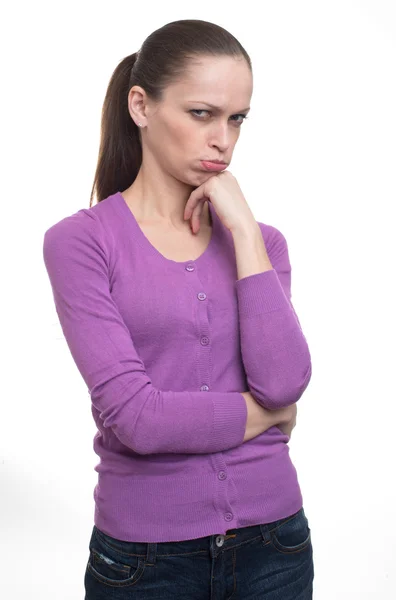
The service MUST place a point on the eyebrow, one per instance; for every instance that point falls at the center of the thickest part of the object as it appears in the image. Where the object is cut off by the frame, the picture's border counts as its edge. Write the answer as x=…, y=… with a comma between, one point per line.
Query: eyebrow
x=215, y=107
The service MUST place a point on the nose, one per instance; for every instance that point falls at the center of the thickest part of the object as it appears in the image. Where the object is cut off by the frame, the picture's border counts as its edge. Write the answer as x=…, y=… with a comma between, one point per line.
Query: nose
x=220, y=137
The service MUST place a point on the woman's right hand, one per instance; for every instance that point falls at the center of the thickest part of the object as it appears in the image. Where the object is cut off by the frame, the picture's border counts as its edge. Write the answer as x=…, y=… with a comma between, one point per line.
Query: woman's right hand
x=288, y=426
x=259, y=419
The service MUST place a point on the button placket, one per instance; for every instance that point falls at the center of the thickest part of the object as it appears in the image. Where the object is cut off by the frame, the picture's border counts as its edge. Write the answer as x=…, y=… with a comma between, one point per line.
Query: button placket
x=222, y=475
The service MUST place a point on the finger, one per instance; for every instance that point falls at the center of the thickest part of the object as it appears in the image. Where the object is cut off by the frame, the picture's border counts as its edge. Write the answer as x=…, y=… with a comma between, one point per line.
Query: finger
x=195, y=197
x=196, y=217
x=191, y=203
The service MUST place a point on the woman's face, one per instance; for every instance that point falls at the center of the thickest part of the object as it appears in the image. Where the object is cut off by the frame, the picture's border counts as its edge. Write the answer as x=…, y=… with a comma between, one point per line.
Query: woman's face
x=183, y=129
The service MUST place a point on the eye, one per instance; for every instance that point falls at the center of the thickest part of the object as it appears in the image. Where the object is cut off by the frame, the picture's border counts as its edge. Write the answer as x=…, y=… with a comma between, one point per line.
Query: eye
x=195, y=110
x=198, y=110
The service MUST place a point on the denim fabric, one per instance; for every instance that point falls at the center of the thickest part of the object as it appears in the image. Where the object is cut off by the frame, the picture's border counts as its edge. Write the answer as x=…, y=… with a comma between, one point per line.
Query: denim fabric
x=272, y=561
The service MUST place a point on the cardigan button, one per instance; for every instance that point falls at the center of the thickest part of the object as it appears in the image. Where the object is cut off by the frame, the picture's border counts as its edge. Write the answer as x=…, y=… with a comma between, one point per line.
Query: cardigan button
x=228, y=516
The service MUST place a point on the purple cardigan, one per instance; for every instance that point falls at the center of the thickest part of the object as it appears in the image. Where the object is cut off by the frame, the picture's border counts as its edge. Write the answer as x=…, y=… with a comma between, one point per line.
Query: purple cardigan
x=166, y=348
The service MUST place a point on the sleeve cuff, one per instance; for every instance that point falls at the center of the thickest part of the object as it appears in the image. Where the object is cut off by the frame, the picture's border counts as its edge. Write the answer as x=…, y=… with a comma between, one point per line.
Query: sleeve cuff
x=230, y=417
x=260, y=293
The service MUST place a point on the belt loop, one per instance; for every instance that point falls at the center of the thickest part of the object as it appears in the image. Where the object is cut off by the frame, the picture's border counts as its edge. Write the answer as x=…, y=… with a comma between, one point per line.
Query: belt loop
x=213, y=552
x=265, y=533
x=151, y=553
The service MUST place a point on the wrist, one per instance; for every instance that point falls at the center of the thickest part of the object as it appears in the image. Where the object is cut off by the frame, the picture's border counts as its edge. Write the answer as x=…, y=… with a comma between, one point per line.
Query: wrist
x=246, y=229
x=250, y=251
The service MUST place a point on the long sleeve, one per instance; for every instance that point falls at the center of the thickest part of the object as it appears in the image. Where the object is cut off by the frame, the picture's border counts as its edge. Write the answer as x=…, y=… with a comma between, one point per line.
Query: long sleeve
x=146, y=419
x=274, y=350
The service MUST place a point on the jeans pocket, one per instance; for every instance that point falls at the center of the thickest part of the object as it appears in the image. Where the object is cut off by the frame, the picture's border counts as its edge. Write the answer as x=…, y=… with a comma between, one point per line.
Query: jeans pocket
x=109, y=564
x=292, y=534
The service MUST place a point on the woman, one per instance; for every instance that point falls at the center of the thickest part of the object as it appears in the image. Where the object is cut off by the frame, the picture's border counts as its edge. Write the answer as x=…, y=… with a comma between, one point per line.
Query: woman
x=176, y=306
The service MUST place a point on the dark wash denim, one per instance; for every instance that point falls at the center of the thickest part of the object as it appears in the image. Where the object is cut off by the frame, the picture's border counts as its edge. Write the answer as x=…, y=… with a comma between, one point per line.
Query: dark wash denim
x=272, y=561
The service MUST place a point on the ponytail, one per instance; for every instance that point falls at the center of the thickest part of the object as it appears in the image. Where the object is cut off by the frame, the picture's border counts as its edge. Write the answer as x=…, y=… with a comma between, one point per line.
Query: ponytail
x=120, y=151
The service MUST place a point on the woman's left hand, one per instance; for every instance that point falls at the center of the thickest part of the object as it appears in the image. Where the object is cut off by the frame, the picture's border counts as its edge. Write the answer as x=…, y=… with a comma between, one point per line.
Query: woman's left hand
x=226, y=196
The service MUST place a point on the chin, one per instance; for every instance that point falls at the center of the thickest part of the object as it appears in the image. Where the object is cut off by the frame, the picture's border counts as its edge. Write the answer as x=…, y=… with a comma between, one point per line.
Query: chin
x=192, y=177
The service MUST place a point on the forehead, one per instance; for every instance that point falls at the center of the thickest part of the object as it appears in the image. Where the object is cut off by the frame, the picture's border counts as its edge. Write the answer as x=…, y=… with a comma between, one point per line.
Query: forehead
x=218, y=80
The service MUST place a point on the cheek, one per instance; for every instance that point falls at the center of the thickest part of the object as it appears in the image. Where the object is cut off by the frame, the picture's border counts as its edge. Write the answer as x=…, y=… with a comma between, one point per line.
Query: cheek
x=182, y=145
x=182, y=135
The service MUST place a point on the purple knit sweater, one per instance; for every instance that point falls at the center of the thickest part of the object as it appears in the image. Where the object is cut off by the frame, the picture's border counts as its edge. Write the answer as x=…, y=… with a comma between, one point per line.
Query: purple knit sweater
x=166, y=348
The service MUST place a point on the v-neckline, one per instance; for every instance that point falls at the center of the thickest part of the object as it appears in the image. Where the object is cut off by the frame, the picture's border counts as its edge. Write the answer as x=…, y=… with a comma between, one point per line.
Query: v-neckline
x=146, y=244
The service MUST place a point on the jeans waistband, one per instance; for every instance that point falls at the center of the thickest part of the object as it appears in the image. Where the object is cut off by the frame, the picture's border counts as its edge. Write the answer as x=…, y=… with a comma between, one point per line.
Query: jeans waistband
x=213, y=544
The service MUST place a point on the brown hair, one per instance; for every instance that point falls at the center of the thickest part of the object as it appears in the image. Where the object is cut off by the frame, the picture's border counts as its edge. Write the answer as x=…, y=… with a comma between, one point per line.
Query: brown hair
x=161, y=60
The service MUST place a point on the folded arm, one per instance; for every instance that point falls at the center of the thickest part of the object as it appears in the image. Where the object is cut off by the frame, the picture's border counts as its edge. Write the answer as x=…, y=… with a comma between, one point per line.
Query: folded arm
x=143, y=417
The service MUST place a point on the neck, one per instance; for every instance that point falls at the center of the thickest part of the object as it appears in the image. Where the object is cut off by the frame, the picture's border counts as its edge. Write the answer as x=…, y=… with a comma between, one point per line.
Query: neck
x=160, y=198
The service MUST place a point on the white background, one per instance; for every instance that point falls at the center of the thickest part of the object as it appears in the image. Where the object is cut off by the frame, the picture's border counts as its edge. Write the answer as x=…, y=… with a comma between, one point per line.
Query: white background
x=316, y=159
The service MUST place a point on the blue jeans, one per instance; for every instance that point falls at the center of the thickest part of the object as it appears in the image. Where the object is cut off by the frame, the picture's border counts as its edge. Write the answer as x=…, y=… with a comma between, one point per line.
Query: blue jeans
x=272, y=561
